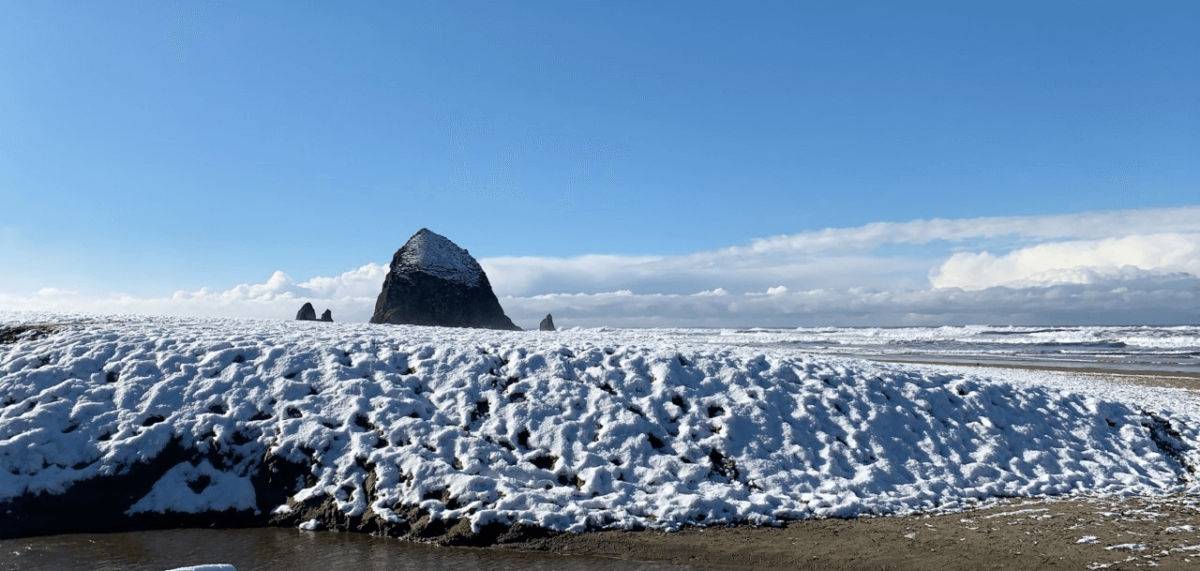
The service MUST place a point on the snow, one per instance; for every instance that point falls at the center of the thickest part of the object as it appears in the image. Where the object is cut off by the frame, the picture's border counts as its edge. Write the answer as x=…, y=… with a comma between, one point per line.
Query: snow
x=437, y=256
x=1127, y=547
x=210, y=567
x=572, y=430
x=222, y=491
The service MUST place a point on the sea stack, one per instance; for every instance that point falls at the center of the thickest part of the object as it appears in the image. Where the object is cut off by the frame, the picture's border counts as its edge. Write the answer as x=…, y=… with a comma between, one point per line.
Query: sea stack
x=306, y=313
x=434, y=282
x=547, y=324
x=327, y=316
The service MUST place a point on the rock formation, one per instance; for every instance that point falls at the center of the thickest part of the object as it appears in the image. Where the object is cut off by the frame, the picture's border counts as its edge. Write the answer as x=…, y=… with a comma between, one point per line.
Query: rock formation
x=547, y=324
x=434, y=282
x=327, y=316
x=306, y=313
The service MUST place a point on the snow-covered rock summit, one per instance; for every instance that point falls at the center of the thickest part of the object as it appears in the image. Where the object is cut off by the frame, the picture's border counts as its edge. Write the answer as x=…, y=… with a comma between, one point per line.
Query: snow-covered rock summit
x=434, y=282
x=434, y=254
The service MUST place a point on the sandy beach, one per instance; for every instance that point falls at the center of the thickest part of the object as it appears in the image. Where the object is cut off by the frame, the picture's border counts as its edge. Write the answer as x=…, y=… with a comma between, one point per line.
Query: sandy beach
x=1072, y=533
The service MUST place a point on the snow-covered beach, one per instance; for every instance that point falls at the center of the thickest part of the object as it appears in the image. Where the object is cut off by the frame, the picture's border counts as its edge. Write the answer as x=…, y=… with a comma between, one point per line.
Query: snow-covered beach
x=465, y=435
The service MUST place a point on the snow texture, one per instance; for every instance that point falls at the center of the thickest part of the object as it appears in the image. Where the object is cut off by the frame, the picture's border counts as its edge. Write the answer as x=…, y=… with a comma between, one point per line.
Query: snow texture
x=437, y=256
x=213, y=490
x=570, y=431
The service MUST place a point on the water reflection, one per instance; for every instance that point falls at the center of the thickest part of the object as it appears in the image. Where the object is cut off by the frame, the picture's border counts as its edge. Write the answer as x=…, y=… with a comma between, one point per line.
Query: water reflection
x=274, y=549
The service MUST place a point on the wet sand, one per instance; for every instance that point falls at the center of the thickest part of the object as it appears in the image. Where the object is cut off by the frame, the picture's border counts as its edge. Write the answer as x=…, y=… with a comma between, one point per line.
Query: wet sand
x=1077, y=533
x=1020, y=533
x=1170, y=379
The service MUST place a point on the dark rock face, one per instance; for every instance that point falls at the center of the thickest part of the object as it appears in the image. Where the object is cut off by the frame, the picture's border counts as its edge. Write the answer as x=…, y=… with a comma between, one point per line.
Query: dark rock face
x=547, y=324
x=327, y=316
x=107, y=500
x=9, y=335
x=306, y=313
x=434, y=282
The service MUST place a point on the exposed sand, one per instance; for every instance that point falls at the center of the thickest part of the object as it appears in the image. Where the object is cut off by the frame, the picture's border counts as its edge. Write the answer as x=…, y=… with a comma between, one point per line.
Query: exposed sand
x=1023, y=533
x=1026, y=534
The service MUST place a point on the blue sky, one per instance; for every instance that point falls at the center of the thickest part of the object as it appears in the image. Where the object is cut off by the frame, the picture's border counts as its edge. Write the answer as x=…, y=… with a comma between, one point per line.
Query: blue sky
x=149, y=148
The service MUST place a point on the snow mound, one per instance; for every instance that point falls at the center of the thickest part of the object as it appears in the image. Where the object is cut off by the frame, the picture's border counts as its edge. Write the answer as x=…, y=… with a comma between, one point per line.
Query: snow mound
x=437, y=256
x=579, y=430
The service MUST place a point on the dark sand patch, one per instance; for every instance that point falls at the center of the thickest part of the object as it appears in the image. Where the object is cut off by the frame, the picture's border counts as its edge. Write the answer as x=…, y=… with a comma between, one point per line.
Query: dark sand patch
x=12, y=334
x=1015, y=534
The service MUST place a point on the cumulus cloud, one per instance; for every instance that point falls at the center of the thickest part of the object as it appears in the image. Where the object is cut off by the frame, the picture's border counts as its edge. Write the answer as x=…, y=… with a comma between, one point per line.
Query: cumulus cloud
x=350, y=296
x=1170, y=299
x=848, y=257
x=1052, y=227
x=702, y=271
x=1138, y=266
x=1076, y=261
x=362, y=282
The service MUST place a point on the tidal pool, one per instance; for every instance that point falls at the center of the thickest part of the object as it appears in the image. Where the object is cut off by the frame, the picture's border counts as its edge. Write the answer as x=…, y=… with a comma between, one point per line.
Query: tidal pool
x=277, y=549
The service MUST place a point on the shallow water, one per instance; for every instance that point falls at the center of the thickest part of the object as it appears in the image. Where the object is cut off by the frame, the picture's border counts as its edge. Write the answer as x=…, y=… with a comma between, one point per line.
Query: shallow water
x=275, y=549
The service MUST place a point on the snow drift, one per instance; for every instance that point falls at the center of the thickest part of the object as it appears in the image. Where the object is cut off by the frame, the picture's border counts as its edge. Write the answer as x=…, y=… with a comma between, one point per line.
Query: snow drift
x=292, y=422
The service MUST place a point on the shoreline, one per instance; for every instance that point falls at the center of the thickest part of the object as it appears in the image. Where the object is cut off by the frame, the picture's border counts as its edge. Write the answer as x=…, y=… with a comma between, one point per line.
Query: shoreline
x=1160, y=379
x=1073, y=532
x=1062, y=532
x=1098, y=369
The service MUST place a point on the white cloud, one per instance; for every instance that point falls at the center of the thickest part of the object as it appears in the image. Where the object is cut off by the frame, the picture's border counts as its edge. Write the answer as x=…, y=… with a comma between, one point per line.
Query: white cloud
x=350, y=296
x=1061, y=226
x=362, y=282
x=828, y=258
x=702, y=271
x=1077, y=261
x=1170, y=299
x=1144, y=300
x=1135, y=266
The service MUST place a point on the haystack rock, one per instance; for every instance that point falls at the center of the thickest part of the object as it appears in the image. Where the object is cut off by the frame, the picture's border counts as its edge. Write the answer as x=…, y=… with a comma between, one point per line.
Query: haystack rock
x=547, y=324
x=434, y=282
x=327, y=316
x=306, y=313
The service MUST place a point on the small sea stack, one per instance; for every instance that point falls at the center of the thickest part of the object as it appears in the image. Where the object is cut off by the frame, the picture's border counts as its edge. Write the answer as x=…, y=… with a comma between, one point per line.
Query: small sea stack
x=306, y=313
